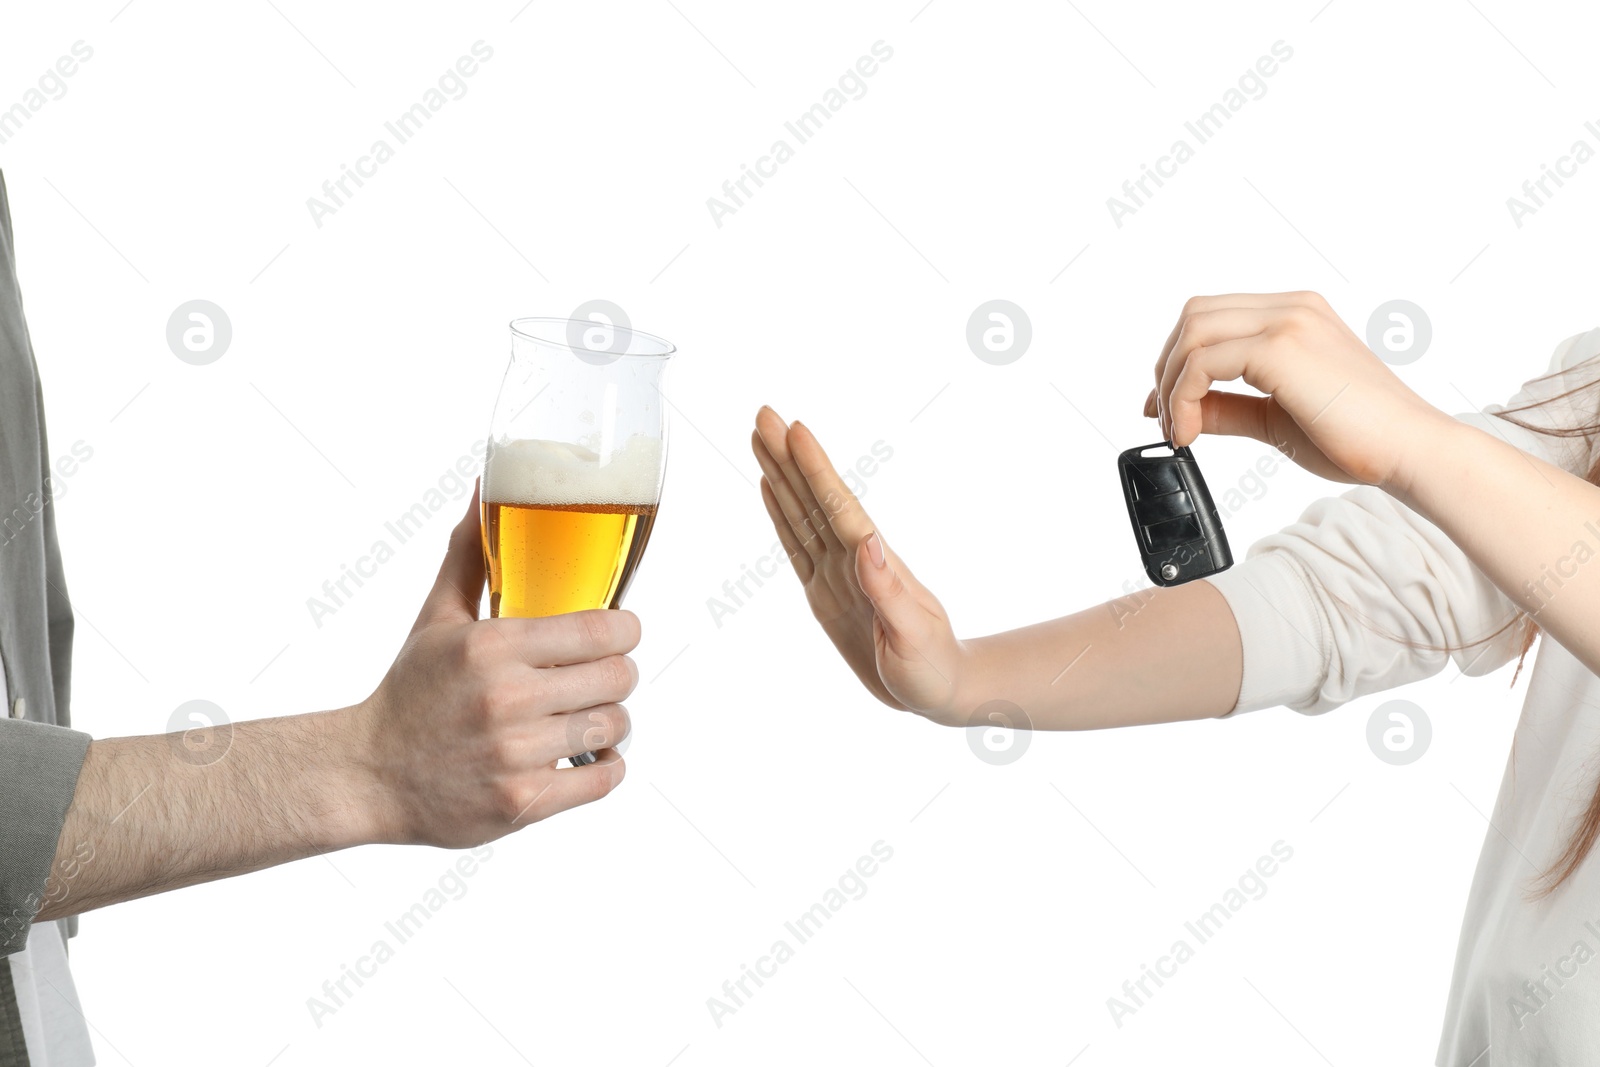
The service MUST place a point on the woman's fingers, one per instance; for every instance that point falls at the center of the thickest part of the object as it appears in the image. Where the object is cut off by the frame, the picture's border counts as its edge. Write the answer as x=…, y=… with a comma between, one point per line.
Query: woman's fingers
x=907, y=634
x=799, y=558
x=1196, y=374
x=789, y=505
x=1202, y=331
x=884, y=585
x=1227, y=414
x=1199, y=304
x=1303, y=358
x=841, y=511
x=1260, y=348
x=1196, y=304
x=848, y=519
x=1263, y=418
x=771, y=432
x=767, y=421
x=818, y=508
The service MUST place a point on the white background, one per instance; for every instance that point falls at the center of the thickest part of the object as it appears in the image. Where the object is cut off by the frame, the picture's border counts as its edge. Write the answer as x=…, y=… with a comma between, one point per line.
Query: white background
x=364, y=362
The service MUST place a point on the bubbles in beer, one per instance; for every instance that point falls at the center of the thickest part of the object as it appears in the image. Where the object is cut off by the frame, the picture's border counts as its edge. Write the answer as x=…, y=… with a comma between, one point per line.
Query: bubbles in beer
x=554, y=472
x=564, y=531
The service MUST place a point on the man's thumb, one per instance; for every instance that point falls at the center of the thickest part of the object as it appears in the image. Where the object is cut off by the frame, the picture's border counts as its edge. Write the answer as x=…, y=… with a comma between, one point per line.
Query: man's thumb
x=457, y=592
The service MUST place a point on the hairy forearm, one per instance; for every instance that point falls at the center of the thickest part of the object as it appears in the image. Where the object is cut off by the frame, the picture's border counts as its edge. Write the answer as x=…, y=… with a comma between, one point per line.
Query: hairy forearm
x=1157, y=655
x=1532, y=528
x=156, y=813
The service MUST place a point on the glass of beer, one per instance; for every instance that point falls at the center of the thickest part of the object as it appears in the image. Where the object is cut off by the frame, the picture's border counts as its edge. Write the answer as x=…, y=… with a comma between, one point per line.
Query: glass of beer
x=573, y=472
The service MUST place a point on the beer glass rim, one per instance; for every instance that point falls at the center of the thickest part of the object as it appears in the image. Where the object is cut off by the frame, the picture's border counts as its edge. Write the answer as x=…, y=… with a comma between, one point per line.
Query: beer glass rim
x=556, y=332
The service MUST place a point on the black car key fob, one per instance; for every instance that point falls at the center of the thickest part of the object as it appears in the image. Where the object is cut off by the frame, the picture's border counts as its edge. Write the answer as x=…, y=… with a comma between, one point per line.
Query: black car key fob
x=1176, y=524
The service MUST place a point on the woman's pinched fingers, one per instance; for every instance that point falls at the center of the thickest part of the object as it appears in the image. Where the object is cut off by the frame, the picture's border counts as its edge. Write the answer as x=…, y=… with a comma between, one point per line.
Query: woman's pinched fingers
x=1213, y=327
x=1220, y=362
x=1258, y=346
x=1196, y=305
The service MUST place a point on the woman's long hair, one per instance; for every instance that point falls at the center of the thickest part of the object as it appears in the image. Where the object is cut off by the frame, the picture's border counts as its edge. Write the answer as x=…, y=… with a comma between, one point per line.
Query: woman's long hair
x=1582, y=838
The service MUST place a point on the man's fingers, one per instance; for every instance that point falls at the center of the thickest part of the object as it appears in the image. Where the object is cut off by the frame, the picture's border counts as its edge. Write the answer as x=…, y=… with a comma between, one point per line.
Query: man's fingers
x=576, y=686
x=557, y=640
x=457, y=593
x=589, y=730
x=799, y=558
x=569, y=787
x=840, y=507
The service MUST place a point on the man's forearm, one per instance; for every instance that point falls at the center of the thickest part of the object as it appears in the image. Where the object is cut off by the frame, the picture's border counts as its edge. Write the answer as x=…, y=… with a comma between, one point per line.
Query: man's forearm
x=458, y=745
x=156, y=813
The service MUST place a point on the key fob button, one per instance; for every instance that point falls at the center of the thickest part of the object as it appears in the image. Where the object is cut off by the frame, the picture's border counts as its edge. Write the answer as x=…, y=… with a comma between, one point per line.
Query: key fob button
x=1175, y=524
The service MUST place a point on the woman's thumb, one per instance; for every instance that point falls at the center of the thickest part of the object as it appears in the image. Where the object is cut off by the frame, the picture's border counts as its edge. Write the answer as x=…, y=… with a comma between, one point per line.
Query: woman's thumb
x=904, y=619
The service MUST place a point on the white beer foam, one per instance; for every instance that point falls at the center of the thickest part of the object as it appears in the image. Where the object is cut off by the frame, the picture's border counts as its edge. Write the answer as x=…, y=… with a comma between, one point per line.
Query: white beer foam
x=555, y=472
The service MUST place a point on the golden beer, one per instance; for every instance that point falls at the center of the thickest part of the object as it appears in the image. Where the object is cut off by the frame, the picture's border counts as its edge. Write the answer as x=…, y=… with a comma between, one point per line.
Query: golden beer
x=562, y=530
x=549, y=559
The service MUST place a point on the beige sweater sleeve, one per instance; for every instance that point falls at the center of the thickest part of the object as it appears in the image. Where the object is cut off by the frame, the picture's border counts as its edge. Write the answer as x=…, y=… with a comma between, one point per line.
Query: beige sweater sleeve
x=1362, y=594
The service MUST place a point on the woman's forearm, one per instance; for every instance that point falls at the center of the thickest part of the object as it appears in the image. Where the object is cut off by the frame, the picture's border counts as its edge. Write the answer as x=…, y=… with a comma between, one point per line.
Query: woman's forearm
x=1532, y=528
x=1156, y=655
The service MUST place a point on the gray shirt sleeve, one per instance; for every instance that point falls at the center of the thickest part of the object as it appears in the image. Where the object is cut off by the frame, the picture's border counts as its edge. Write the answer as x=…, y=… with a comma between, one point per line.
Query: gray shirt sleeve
x=39, y=767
